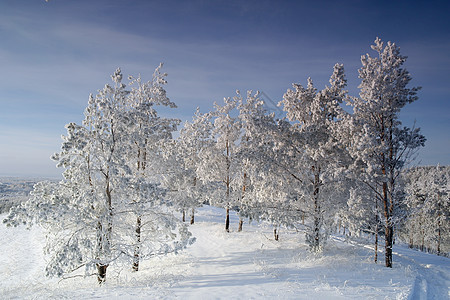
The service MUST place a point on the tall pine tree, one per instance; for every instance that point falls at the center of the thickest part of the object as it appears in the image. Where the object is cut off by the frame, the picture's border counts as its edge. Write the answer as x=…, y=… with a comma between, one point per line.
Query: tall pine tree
x=380, y=146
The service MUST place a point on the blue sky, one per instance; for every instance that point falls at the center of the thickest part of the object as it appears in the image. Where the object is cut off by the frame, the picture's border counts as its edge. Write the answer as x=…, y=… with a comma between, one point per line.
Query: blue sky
x=54, y=54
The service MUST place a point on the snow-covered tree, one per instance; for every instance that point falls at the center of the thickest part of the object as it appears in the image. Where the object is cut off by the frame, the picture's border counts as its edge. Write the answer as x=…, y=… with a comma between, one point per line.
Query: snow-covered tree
x=91, y=214
x=148, y=134
x=427, y=224
x=310, y=151
x=187, y=191
x=265, y=187
x=379, y=145
x=220, y=163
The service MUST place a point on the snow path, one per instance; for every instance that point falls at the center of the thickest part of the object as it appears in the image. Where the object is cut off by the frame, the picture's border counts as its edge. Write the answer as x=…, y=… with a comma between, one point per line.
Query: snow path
x=235, y=265
x=227, y=265
x=220, y=267
x=431, y=272
x=432, y=279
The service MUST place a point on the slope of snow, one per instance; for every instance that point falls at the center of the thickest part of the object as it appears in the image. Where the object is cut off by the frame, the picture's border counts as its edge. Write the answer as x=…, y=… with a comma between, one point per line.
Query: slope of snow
x=236, y=265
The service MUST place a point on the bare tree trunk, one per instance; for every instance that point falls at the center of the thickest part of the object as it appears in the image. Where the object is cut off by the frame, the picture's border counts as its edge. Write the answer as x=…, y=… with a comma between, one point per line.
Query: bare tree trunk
x=137, y=248
x=317, y=217
x=244, y=188
x=316, y=230
x=104, y=238
x=193, y=216
x=376, y=244
x=390, y=197
x=142, y=161
x=227, y=182
x=376, y=230
x=275, y=234
x=194, y=184
x=387, y=204
x=389, y=240
x=101, y=273
x=101, y=268
x=439, y=229
x=138, y=244
x=439, y=240
x=103, y=241
x=388, y=230
x=227, y=221
x=422, y=246
x=184, y=216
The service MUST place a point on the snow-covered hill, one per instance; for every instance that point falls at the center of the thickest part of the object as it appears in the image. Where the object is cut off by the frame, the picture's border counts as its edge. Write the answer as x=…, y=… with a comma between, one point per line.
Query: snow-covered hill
x=236, y=265
x=14, y=190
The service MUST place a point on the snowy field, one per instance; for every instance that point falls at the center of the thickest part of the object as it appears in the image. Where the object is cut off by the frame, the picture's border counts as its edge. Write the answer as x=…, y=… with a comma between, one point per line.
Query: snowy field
x=235, y=265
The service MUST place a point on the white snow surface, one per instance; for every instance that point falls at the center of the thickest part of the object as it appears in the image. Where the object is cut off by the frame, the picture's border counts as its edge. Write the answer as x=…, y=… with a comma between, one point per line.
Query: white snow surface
x=235, y=265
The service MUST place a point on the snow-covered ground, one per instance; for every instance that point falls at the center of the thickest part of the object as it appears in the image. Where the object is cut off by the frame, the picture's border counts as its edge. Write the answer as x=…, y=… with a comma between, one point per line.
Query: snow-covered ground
x=235, y=265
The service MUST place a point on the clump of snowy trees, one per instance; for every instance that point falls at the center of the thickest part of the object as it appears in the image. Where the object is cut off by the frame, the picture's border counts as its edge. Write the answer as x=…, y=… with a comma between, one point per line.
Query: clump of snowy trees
x=321, y=164
x=110, y=205
x=318, y=168
x=427, y=225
